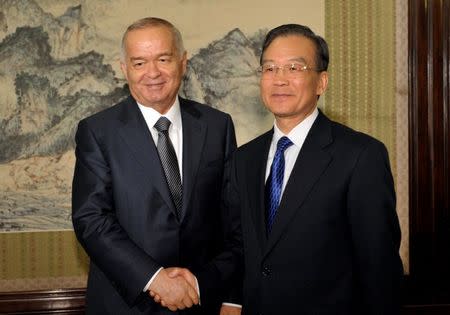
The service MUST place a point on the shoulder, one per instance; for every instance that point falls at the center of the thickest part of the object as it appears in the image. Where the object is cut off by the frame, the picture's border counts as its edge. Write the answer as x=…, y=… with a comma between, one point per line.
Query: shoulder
x=350, y=139
x=108, y=116
x=256, y=146
x=350, y=146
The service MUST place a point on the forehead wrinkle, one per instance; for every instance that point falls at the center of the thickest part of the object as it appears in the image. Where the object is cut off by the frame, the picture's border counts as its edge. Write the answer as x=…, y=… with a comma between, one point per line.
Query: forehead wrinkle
x=148, y=50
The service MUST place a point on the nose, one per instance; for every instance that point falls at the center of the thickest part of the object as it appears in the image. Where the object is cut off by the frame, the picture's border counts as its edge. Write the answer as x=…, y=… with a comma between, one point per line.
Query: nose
x=279, y=77
x=152, y=70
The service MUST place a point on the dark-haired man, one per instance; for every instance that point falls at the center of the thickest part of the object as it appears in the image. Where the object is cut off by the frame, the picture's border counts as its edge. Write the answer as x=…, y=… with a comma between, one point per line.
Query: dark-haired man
x=320, y=230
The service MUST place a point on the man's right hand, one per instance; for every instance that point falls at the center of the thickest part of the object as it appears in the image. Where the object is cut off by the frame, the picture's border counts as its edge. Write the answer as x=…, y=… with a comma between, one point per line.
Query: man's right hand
x=174, y=293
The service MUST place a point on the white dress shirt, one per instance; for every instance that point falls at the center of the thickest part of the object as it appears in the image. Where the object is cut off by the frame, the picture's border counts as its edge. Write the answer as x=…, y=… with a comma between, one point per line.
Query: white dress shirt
x=151, y=116
x=297, y=135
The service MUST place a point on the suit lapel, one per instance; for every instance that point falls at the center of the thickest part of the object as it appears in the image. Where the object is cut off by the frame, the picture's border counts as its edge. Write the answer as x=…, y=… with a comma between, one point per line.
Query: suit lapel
x=256, y=170
x=134, y=132
x=311, y=162
x=194, y=135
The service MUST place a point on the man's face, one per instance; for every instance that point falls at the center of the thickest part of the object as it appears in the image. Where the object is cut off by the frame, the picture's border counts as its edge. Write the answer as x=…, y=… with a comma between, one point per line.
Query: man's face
x=153, y=67
x=291, y=95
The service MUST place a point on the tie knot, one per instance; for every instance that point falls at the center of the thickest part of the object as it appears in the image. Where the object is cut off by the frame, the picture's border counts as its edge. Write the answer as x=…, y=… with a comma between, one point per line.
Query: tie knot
x=162, y=124
x=283, y=144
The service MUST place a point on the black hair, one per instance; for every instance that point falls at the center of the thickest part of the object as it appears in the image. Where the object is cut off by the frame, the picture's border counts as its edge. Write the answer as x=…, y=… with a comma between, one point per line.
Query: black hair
x=322, y=55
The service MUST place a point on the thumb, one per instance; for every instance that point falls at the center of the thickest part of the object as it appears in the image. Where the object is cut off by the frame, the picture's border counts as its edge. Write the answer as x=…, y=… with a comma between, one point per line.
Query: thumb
x=175, y=272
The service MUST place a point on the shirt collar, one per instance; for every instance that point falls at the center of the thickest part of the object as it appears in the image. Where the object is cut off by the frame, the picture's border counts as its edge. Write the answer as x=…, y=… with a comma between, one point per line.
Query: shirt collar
x=173, y=114
x=298, y=134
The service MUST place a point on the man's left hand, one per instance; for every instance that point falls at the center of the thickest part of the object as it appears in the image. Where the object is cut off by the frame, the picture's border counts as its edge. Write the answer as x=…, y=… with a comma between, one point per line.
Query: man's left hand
x=230, y=310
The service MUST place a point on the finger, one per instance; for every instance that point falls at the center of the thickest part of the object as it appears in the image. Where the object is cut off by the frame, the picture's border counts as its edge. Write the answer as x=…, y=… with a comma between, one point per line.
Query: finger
x=157, y=298
x=180, y=305
x=152, y=294
x=187, y=301
x=189, y=277
x=192, y=282
x=173, y=308
x=192, y=293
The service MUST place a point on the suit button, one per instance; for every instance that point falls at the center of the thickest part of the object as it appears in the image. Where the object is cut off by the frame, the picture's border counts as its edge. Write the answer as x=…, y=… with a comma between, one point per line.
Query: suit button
x=266, y=271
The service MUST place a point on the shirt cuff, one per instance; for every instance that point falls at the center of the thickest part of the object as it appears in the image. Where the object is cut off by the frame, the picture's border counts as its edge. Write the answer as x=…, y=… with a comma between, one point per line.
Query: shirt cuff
x=153, y=278
x=198, y=290
x=232, y=304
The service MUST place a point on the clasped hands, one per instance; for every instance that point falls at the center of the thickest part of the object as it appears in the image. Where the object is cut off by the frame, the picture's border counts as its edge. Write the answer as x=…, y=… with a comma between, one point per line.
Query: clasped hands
x=174, y=288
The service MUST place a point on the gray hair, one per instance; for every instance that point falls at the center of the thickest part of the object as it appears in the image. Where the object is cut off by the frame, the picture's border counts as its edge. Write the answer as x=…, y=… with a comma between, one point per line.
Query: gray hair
x=153, y=22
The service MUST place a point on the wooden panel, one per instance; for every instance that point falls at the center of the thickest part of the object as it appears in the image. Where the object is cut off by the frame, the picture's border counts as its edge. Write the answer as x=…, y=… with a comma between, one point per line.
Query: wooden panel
x=72, y=302
x=429, y=29
x=43, y=302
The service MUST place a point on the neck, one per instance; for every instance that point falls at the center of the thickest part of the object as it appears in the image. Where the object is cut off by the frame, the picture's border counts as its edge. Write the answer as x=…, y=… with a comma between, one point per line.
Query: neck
x=286, y=124
x=161, y=108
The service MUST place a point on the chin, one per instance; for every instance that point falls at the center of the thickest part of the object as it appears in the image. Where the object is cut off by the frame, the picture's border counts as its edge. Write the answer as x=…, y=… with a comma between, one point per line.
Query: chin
x=281, y=109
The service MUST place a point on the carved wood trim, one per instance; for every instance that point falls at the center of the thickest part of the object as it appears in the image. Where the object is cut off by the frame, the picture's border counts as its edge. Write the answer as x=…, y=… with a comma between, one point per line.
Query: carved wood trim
x=64, y=301
x=429, y=40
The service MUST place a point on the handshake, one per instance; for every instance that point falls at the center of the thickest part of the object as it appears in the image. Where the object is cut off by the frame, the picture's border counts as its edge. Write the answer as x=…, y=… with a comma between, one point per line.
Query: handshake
x=175, y=288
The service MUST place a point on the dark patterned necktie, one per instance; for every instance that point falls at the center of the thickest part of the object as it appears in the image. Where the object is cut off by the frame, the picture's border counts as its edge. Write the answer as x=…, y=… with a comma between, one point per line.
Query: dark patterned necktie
x=169, y=163
x=274, y=182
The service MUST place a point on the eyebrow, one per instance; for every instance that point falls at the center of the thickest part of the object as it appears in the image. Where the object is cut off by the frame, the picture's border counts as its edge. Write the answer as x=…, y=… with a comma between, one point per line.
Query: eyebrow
x=136, y=58
x=169, y=54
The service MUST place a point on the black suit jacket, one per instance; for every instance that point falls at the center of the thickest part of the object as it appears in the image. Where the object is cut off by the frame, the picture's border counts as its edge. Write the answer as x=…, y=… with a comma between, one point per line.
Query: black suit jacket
x=334, y=244
x=125, y=219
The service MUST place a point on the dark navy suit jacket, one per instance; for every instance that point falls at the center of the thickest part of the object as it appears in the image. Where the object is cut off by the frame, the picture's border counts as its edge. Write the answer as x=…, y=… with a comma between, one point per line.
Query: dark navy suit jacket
x=125, y=219
x=333, y=248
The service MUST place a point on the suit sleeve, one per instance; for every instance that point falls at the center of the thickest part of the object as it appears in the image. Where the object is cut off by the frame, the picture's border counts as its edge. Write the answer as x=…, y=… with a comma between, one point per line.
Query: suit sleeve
x=93, y=214
x=375, y=231
x=232, y=203
x=218, y=276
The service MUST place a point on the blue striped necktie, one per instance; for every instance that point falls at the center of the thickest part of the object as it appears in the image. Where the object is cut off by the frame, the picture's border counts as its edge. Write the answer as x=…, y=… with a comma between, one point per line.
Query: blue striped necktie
x=274, y=182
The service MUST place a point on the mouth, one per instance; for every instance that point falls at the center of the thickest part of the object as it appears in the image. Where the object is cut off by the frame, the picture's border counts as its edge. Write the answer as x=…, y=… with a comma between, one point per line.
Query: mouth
x=280, y=96
x=154, y=85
